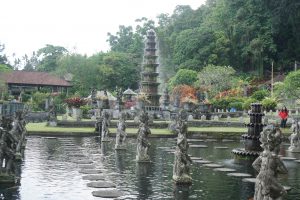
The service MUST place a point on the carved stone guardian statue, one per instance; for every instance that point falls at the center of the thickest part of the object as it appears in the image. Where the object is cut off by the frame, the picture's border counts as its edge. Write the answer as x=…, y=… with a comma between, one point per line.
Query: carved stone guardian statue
x=105, y=125
x=295, y=137
x=142, y=139
x=268, y=165
x=121, y=132
x=181, y=169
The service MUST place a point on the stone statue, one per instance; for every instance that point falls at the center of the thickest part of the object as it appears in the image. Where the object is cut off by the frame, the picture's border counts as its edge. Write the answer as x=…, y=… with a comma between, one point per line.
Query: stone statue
x=295, y=137
x=181, y=169
x=52, y=121
x=105, y=125
x=142, y=139
x=98, y=125
x=105, y=101
x=18, y=131
x=119, y=98
x=121, y=132
x=268, y=165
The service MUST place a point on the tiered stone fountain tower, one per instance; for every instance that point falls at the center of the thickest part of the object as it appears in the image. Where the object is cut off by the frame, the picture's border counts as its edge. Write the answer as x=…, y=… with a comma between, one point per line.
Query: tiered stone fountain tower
x=251, y=139
x=149, y=82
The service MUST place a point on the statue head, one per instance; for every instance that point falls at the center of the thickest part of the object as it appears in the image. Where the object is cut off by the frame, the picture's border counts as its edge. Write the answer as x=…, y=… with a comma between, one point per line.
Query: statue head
x=271, y=137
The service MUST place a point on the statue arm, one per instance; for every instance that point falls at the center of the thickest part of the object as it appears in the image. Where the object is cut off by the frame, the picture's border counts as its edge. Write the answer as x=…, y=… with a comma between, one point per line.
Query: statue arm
x=257, y=164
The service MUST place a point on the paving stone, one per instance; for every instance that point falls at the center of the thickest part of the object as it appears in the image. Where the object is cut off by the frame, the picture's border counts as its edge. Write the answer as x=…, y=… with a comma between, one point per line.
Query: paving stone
x=93, y=177
x=50, y=137
x=211, y=140
x=76, y=155
x=224, y=169
x=196, y=158
x=227, y=140
x=298, y=161
x=90, y=171
x=108, y=193
x=198, y=146
x=221, y=147
x=212, y=165
x=195, y=140
x=239, y=174
x=101, y=184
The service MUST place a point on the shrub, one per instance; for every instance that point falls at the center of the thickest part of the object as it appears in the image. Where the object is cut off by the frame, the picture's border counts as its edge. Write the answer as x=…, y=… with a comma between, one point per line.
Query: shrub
x=247, y=103
x=269, y=104
x=228, y=102
x=85, y=109
x=237, y=105
x=260, y=94
x=75, y=102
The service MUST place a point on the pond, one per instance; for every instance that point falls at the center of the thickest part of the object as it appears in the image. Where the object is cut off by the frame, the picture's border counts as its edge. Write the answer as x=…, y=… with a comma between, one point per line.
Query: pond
x=49, y=171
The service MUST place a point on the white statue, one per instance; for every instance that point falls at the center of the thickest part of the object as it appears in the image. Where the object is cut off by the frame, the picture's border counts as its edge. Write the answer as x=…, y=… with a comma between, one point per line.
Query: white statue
x=295, y=137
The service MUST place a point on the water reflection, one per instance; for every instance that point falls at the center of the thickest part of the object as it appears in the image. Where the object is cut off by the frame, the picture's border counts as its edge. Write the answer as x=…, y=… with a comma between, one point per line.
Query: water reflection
x=143, y=174
x=181, y=191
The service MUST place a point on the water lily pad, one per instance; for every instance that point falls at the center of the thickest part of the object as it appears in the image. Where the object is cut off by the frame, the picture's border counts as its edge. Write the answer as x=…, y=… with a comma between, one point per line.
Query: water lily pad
x=101, y=184
x=108, y=193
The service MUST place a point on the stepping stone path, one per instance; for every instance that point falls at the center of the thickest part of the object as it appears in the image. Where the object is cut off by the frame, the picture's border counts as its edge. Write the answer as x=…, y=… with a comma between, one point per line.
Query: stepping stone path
x=224, y=170
x=202, y=161
x=90, y=171
x=287, y=158
x=107, y=193
x=298, y=161
x=101, y=184
x=76, y=155
x=221, y=147
x=198, y=146
x=93, y=177
x=213, y=165
x=239, y=174
x=50, y=137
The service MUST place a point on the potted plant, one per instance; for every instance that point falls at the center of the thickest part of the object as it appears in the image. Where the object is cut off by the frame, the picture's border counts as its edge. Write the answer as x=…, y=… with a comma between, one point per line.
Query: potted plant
x=75, y=103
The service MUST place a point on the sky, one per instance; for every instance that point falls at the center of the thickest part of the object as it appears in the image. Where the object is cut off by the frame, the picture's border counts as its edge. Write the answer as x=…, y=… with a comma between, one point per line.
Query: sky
x=79, y=25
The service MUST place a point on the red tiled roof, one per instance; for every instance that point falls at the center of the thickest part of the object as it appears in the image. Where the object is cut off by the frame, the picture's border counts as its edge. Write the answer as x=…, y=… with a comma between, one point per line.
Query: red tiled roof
x=33, y=78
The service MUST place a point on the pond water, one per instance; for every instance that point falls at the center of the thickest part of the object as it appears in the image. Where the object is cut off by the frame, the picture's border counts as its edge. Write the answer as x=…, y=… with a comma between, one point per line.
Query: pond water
x=49, y=171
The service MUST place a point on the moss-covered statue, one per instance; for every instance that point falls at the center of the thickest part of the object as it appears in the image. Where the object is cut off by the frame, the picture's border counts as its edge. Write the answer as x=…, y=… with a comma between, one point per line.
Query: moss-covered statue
x=142, y=138
x=105, y=125
x=181, y=169
x=121, y=132
x=268, y=165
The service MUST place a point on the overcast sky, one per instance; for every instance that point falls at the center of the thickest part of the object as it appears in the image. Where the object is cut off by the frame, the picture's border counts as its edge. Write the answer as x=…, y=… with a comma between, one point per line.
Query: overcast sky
x=27, y=25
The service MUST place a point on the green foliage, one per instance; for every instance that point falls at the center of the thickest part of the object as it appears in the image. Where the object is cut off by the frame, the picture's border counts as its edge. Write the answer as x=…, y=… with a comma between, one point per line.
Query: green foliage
x=183, y=77
x=237, y=105
x=216, y=78
x=5, y=68
x=269, y=104
x=247, y=103
x=291, y=84
x=259, y=95
x=85, y=109
x=38, y=101
x=228, y=102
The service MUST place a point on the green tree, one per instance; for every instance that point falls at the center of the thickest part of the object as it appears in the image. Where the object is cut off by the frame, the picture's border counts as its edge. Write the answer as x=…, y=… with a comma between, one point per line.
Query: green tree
x=49, y=57
x=183, y=77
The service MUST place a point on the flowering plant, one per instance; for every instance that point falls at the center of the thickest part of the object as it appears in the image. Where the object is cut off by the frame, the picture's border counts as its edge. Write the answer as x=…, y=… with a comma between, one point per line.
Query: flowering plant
x=143, y=97
x=75, y=102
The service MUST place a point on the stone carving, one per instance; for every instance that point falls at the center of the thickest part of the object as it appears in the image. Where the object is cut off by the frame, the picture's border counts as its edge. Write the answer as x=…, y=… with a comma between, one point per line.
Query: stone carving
x=52, y=121
x=98, y=125
x=295, y=137
x=268, y=164
x=121, y=132
x=105, y=125
x=142, y=139
x=181, y=169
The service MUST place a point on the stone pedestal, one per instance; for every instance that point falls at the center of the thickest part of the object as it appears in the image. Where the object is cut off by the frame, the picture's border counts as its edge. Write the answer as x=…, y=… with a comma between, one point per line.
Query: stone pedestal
x=77, y=113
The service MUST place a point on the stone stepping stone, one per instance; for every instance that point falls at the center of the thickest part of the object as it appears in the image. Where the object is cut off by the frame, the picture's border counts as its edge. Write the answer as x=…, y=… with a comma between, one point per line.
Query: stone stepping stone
x=163, y=147
x=202, y=161
x=211, y=140
x=249, y=180
x=93, y=177
x=213, y=165
x=224, y=169
x=195, y=140
x=221, y=147
x=198, y=146
x=298, y=161
x=90, y=171
x=287, y=188
x=101, y=184
x=94, y=152
x=108, y=193
x=69, y=145
x=239, y=174
x=227, y=140
x=83, y=161
x=86, y=166
x=288, y=158
x=50, y=137
x=76, y=154
x=196, y=158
